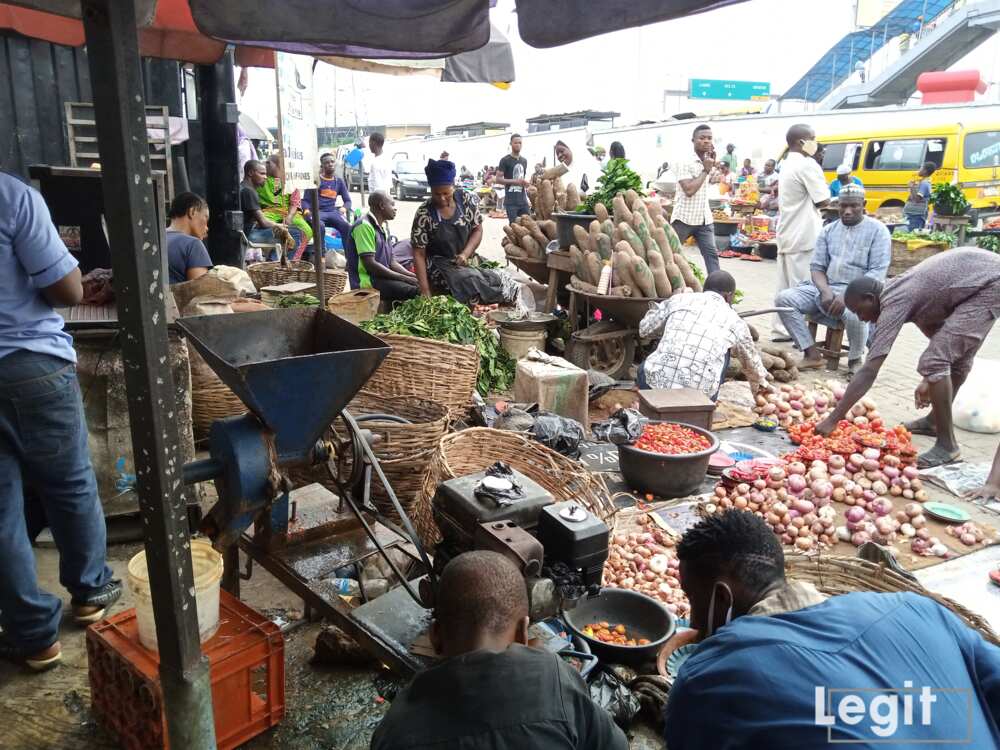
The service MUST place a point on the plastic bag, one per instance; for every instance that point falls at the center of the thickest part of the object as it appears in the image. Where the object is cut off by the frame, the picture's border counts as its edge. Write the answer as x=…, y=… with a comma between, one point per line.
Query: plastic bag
x=499, y=485
x=611, y=694
x=975, y=408
x=624, y=426
x=561, y=434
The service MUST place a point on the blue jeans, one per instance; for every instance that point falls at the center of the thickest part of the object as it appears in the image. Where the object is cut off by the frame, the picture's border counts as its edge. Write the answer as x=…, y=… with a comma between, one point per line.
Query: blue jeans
x=515, y=210
x=915, y=221
x=43, y=444
x=804, y=300
x=704, y=237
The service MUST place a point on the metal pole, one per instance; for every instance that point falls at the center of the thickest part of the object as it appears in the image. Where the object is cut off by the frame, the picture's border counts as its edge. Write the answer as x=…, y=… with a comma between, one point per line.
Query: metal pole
x=113, y=54
x=319, y=249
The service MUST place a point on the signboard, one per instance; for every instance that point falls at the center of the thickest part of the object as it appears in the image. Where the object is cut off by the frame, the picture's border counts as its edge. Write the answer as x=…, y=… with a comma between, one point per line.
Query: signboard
x=706, y=88
x=296, y=123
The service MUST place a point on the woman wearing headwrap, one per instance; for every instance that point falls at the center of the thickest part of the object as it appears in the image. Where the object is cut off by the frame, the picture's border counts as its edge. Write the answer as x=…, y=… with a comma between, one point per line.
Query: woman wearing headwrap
x=447, y=229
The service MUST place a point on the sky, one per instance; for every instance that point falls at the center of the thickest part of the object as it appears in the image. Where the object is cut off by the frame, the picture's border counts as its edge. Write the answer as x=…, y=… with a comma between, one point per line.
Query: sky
x=627, y=71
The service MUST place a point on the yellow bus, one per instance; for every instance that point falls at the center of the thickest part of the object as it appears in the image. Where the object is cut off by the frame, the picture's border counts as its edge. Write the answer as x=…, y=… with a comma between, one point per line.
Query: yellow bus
x=887, y=161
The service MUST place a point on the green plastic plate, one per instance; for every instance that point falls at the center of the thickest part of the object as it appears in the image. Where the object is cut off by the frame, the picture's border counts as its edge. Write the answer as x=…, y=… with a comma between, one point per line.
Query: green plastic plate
x=946, y=512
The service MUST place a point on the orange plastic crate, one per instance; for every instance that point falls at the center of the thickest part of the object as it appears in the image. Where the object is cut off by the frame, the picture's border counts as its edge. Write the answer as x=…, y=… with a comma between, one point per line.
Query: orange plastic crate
x=247, y=664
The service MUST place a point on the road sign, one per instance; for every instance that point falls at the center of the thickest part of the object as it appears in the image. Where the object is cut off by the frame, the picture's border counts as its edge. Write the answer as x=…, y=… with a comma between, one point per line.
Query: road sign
x=705, y=88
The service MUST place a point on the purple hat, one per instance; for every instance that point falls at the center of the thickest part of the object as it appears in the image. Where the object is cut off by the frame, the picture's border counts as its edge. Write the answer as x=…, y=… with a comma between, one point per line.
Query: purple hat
x=440, y=172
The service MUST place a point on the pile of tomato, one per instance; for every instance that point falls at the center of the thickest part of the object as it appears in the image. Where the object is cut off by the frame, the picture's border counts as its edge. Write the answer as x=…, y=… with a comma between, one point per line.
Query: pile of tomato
x=848, y=438
x=671, y=439
x=605, y=632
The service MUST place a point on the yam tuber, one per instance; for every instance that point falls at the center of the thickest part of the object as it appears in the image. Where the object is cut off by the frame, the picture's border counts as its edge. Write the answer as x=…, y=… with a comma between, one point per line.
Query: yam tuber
x=572, y=197
x=550, y=229
x=531, y=248
x=604, y=246
x=660, y=280
x=577, y=283
x=608, y=227
x=675, y=277
x=631, y=197
x=633, y=240
x=643, y=278
x=601, y=211
x=536, y=233
x=582, y=272
x=620, y=291
x=690, y=280
x=640, y=227
x=594, y=265
x=546, y=200
x=581, y=238
x=622, y=266
x=553, y=172
x=622, y=214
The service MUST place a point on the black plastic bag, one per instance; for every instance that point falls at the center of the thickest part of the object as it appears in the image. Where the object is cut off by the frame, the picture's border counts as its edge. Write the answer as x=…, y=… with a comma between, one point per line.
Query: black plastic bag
x=561, y=434
x=625, y=426
x=502, y=496
x=613, y=695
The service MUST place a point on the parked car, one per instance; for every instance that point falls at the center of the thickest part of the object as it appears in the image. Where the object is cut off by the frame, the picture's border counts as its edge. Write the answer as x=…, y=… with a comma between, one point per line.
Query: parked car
x=409, y=181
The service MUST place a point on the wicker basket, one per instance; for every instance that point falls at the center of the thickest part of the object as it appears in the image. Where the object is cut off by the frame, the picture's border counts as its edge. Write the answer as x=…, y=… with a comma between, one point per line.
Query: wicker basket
x=841, y=575
x=904, y=259
x=478, y=448
x=211, y=399
x=430, y=369
x=273, y=273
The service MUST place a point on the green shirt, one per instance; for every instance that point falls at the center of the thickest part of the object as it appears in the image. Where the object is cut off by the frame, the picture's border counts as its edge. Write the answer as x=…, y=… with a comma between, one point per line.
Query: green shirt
x=365, y=243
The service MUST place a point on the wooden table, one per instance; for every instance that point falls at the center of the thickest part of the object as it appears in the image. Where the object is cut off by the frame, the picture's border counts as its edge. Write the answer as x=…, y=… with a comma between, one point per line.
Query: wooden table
x=558, y=262
x=945, y=223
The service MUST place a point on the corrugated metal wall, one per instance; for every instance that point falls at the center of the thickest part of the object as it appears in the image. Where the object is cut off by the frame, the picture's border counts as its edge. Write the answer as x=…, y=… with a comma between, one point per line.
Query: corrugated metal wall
x=36, y=78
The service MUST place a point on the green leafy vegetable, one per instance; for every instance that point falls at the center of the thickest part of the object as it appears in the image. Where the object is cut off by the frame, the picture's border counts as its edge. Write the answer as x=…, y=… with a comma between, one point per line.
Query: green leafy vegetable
x=948, y=200
x=478, y=262
x=696, y=270
x=616, y=178
x=444, y=318
x=989, y=242
x=939, y=238
x=302, y=299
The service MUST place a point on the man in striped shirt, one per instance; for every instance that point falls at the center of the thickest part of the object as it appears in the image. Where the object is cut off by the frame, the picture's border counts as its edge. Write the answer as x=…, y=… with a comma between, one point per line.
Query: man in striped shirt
x=692, y=214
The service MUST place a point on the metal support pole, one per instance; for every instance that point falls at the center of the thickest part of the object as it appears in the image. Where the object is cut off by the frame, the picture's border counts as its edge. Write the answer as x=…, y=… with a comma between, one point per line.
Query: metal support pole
x=319, y=250
x=113, y=53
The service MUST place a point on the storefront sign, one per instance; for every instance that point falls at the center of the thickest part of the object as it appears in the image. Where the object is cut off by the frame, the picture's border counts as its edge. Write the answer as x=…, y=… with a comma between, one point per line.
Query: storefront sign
x=296, y=123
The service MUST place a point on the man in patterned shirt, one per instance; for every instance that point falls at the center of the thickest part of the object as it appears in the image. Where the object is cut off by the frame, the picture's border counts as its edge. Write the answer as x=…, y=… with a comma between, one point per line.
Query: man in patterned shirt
x=692, y=214
x=697, y=331
x=853, y=246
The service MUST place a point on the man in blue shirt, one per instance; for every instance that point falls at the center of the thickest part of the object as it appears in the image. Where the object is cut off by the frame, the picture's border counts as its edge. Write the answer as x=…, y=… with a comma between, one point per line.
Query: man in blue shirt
x=853, y=246
x=844, y=177
x=331, y=187
x=43, y=436
x=780, y=666
x=918, y=202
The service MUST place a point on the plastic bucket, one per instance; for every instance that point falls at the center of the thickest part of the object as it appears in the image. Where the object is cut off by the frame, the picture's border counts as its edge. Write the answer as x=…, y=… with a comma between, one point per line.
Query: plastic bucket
x=207, y=567
x=518, y=343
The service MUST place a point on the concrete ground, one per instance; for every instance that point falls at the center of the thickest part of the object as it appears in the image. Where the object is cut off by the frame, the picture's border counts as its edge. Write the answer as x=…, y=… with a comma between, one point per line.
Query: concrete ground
x=337, y=708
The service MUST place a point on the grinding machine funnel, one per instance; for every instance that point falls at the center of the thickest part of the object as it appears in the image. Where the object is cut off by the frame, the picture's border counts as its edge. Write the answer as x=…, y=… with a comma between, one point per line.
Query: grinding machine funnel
x=295, y=369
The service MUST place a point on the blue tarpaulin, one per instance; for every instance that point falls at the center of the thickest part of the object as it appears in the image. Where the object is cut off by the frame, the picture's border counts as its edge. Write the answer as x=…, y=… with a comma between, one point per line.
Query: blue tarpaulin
x=838, y=63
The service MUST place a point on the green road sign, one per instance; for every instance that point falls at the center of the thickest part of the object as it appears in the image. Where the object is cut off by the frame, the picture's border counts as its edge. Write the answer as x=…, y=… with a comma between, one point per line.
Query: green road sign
x=705, y=88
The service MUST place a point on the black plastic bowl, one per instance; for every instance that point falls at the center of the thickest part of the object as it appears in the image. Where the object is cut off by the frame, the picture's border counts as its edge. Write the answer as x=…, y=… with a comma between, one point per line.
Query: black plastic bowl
x=642, y=616
x=665, y=475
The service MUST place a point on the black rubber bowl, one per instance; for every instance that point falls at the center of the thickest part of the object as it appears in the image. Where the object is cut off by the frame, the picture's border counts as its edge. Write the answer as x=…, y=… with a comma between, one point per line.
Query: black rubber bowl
x=664, y=475
x=642, y=616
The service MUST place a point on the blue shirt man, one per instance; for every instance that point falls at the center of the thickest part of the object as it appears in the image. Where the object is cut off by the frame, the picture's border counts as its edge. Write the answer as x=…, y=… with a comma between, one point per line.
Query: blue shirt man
x=43, y=437
x=844, y=177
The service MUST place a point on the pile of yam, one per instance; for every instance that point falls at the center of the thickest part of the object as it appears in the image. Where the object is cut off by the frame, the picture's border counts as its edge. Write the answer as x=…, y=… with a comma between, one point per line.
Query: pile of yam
x=778, y=362
x=547, y=193
x=527, y=238
x=643, y=250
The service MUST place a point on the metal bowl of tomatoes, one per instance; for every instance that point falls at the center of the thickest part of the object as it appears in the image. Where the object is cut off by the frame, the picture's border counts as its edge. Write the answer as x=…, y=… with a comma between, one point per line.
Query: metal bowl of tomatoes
x=621, y=626
x=670, y=459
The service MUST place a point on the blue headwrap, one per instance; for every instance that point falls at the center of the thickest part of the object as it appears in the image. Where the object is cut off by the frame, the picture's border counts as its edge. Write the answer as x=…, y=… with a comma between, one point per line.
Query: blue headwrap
x=440, y=172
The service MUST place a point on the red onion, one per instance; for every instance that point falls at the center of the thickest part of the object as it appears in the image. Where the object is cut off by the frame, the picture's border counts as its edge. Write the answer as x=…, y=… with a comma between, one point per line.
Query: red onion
x=922, y=531
x=803, y=506
x=743, y=488
x=860, y=537
x=910, y=472
x=759, y=484
x=890, y=471
x=776, y=473
x=872, y=454
x=796, y=483
x=881, y=507
x=854, y=514
x=868, y=495
x=796, y=467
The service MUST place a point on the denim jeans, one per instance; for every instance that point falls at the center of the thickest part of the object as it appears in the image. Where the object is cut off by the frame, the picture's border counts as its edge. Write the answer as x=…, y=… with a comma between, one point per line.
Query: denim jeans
x=514, y=210
x=915, y=221
x=43, y=444
x=704, y=237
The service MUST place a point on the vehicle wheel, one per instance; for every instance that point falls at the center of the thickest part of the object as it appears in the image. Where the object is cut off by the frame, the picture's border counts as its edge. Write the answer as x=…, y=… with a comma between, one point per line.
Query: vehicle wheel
x=395, y=192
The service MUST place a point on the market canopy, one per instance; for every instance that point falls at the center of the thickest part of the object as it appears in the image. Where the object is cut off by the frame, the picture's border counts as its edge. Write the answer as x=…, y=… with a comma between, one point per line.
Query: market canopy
x=197, y=30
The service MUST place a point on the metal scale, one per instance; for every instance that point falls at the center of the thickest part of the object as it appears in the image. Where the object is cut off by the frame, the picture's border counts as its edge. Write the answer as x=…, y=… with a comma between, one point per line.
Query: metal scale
x=296, y=370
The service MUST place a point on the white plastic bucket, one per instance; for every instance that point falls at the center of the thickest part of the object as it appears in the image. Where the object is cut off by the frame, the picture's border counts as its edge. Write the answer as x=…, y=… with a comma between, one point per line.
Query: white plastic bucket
x=207, y=567
x=519, y=343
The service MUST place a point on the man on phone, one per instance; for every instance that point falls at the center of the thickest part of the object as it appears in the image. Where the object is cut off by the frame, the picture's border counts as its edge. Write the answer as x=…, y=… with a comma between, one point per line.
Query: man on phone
x=692, y=214
x=512, y=170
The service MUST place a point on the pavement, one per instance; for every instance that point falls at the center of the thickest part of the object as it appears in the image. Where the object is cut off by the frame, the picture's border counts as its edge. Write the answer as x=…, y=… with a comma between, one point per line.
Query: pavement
x=337, y=708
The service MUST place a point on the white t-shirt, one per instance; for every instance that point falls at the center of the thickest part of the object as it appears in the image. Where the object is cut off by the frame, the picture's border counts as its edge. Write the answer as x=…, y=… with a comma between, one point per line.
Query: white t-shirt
x=801, y=186
x=380, y=173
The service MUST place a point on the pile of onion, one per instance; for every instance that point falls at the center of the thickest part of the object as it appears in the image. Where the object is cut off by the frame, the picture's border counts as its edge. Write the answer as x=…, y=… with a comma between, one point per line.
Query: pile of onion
x=792, y=404
x=871, y=474
x=967, y=533
x=646, y=562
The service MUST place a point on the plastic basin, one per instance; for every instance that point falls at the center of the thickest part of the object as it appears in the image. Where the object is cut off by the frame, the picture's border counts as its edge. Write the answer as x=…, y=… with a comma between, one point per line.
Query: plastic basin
x=565, y=221
x=207, y=568
x=642, y=616
x=665, y=475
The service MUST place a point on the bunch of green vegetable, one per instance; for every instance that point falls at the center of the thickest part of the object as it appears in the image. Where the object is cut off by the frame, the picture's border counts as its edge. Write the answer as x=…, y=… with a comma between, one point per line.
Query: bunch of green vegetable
x=700, y=275
x=948, y=200
x=989, y=242
x=444, y=318
x=616, y=178
x=484, y=263
x=302, y=299
x=938, y=238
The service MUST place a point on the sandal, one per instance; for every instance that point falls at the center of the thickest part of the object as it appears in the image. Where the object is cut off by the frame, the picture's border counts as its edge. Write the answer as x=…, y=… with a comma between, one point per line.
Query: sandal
x=921, y=426
x=93, y=608
x=937, y=457
x=40, y=661
x=752, y=258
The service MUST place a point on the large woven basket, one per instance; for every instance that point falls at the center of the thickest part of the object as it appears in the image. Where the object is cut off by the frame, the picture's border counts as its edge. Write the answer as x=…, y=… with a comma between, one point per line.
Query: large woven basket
x=478, y=448
x=211, y=399
x=903, y=259
x=834, y=575
x=273, y=273
x=430, y=369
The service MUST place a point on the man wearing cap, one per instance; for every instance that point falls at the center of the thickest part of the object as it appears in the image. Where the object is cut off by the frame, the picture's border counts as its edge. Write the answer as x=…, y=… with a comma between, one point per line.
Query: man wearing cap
x=843, y=178
x=855, y=245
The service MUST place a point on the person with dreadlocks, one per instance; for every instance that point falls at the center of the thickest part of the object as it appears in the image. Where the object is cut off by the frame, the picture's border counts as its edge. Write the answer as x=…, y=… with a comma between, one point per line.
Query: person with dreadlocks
x=783, y=667
x=954, y=299
x=490, y=690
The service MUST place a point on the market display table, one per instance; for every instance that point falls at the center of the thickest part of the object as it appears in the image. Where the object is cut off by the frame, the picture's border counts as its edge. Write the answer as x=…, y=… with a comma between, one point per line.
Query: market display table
x=958, y=224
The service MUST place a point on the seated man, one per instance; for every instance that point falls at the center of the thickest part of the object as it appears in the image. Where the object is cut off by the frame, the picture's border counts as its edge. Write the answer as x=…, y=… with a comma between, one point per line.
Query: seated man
x=256, y=226
x=855, y=245
x=696, y=333
x=843, y=178
x=330, y=188
x=187, y=258
x=780, y=666
x=490, y=690
x=370, y=262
